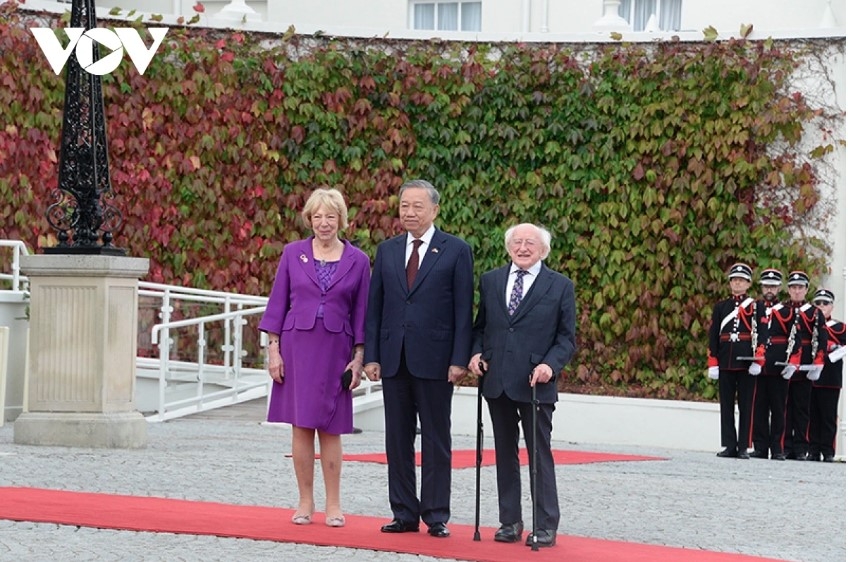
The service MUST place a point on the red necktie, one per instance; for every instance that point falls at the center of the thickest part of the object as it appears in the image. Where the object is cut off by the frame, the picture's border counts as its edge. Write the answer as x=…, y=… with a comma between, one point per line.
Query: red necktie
x=412, y=264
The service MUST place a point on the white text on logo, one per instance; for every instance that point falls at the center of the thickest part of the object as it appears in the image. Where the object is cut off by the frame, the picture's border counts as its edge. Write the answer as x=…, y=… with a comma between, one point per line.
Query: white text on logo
x=83, y=42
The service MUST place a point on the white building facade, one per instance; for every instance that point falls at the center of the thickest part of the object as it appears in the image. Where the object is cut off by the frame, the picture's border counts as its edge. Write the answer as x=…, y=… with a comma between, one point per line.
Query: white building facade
x=515, y=18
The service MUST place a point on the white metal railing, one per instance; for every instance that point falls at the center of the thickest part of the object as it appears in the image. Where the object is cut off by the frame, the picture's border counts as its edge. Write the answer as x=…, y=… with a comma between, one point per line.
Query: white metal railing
x=234, y=382
x=168, y=294
x=19, y=282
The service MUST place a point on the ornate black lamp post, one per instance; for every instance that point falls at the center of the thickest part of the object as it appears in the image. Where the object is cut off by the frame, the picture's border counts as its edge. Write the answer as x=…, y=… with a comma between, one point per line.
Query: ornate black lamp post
x=79, y=215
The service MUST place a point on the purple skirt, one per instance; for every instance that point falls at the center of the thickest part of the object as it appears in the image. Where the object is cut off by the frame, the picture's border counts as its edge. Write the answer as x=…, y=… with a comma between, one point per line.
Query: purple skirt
x=311, y=394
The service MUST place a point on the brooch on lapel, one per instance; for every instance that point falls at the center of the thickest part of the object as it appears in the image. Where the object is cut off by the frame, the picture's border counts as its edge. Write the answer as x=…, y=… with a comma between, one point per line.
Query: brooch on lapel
x=303, y=258
x=434, y=251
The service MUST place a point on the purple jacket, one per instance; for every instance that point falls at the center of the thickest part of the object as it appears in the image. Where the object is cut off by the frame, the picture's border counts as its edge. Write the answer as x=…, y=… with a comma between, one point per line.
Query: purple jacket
x=297, y=295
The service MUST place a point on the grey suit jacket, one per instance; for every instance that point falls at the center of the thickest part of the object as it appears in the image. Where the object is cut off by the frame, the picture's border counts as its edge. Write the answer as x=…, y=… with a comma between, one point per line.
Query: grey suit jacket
x=542, y=330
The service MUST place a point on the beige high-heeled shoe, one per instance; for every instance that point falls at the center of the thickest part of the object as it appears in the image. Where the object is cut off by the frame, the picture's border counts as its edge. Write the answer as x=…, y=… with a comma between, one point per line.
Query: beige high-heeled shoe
x=301, y=519
x=338, y=521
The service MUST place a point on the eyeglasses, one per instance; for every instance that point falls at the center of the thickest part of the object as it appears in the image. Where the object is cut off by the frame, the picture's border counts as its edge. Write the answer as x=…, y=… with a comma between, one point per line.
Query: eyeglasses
x=821, y=303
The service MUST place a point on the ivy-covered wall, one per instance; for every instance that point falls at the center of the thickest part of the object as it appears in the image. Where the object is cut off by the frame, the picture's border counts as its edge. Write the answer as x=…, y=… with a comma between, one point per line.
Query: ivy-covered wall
x=654, y=166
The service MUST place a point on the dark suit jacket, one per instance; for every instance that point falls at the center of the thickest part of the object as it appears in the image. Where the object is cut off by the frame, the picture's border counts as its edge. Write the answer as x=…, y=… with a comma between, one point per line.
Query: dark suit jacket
x=432, y=320
x=542, y=330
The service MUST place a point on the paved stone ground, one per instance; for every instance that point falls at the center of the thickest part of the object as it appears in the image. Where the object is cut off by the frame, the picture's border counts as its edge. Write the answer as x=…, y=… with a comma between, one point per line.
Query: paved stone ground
x=786, y=510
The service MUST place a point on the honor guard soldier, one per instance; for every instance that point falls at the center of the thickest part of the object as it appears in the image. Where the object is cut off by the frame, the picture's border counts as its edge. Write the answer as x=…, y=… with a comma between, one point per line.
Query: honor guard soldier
x=810, y=333
x=824, y=399
x=771, y=281
x=733, y=335
x=783, y=355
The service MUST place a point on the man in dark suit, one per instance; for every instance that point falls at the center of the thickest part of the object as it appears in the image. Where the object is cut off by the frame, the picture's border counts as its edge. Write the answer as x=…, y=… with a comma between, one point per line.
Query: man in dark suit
x=524, y=335
x=418, y=341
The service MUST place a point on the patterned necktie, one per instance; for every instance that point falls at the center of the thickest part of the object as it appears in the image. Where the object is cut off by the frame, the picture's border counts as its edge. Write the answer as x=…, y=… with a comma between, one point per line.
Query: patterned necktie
x=517, y=291
x=412, y=264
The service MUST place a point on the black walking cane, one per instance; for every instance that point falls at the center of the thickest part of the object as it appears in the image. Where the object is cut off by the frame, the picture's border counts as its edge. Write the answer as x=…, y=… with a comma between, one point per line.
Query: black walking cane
x=534, y=544
x=479, y=450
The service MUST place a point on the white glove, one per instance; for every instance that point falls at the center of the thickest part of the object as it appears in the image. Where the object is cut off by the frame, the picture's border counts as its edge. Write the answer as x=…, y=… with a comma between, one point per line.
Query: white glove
x=755, y=369
x=713, y=373
x=814, y=374
x=837, y=354
x=788, y=371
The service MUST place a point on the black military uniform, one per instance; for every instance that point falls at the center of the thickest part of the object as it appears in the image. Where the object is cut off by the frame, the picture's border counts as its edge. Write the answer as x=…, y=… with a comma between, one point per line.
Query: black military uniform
x=782, y=346
x=824, y=399
x=809, y=324
x=771, y=281
x=733, y=334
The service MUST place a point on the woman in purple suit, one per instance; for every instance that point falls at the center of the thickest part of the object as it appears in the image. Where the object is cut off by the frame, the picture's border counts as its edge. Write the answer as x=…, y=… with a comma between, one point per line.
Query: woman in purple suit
x=315, y=321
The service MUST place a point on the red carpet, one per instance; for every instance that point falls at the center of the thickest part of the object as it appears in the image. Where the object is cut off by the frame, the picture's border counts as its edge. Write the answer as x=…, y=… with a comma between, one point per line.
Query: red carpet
x=467, y=458
x=135, y=513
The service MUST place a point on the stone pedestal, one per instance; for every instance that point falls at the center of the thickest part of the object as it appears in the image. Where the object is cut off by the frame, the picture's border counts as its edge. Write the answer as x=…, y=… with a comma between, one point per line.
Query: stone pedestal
x=4, y=353
x=13, y=315
x=83, y=330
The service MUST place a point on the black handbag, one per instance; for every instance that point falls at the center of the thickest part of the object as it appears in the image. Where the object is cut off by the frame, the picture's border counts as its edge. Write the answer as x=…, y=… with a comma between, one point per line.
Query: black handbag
x=347, y=378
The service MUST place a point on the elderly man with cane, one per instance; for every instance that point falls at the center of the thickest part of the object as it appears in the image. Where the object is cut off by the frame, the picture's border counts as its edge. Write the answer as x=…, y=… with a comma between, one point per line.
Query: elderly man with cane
x=525, y=324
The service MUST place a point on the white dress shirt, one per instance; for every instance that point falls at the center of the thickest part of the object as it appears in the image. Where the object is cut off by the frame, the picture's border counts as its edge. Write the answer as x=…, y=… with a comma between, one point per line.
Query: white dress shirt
x=527, y=282
x=422, y=249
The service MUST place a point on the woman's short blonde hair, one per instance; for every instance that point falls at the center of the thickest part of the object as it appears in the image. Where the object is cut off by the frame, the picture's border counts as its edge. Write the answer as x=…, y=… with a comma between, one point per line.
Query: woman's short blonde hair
x=329, y=198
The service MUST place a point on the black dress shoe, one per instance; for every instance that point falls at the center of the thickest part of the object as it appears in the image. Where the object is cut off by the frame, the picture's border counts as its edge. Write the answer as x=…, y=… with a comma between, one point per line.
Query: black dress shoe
x=438, y=530
x=814, y=457
x=828, y=458
x=726, y=453
x=509, y=532
x=743, y=455
x=799, y=456
x=778, y=457
x=543, y=538
x=398, y=526
x=755, y=454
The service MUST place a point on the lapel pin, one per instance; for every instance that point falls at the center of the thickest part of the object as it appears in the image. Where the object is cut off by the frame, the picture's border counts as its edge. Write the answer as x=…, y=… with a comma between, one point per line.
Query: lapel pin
x=303, y=258
x=435, y=250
